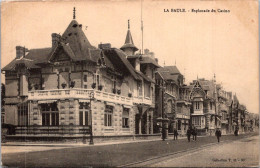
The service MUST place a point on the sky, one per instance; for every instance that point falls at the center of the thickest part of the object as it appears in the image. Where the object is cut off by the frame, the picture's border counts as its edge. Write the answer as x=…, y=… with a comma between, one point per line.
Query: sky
x=201, y=44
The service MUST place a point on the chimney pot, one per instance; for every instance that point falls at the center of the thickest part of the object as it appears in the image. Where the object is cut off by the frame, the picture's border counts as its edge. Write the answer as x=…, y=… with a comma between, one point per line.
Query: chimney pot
x=104, y=46
x=20, y=51
x=55, y=38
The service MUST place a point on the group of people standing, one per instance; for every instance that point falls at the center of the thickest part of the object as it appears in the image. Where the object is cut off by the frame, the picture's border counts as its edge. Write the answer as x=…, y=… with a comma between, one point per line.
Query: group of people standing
x=192, y=131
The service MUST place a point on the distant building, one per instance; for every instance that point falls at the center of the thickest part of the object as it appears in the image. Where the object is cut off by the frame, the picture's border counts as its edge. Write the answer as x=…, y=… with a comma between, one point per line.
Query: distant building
x=172, y=102
x=224, y=103
x=204, y=112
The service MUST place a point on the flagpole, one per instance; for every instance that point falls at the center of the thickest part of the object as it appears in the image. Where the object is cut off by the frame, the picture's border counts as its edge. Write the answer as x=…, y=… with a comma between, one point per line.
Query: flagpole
x=142, y=27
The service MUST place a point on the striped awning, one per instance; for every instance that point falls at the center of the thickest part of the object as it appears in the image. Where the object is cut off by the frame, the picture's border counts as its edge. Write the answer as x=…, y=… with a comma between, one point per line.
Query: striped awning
x=84, y=100
x=46, y=101
x=127, y=106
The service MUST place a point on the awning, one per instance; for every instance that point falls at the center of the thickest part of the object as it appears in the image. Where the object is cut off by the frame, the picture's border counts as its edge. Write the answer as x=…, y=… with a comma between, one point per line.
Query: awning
x=46, y=101
x=127, y=106
x=110, y=104
x=197, y=99
x=84, y=100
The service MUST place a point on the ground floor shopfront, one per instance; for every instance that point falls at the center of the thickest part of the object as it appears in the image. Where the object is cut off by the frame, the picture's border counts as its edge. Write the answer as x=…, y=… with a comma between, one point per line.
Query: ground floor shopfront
x=76, y=116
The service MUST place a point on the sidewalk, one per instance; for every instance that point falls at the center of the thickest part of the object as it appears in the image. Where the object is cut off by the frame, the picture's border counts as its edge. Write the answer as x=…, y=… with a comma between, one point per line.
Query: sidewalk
x=78, y=144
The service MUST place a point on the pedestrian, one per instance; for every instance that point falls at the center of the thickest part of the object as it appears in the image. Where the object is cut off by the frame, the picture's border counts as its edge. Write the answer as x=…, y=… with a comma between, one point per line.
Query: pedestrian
x=163, y=133
x=194, y=134
x=175, y=134
x=218, y=134
x=189, y=134
x=236, y=132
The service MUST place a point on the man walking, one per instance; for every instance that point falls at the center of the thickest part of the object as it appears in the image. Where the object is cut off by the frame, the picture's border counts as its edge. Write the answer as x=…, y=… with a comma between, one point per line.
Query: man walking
x=175, y=134
x=218, y=134
x=194, y=133
x=188, y=134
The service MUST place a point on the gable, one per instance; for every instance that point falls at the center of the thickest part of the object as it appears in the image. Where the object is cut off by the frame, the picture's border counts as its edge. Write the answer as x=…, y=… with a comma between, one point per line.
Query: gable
x=60, y=56
x=197, y=91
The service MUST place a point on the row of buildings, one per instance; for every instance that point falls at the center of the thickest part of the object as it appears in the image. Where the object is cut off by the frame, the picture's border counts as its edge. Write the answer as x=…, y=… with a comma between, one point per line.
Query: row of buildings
x=73, y=88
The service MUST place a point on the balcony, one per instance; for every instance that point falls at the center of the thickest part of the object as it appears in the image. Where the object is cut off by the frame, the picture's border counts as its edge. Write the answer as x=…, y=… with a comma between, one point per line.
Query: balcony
x=86, y=94
x=78, y=94
x=141, y=100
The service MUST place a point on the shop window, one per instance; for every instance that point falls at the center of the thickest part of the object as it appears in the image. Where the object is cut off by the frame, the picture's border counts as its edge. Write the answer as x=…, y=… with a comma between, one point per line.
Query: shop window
x=84, y=118
x=50, y=114
x=108, y=116
x=23, y=114
x=125, y=118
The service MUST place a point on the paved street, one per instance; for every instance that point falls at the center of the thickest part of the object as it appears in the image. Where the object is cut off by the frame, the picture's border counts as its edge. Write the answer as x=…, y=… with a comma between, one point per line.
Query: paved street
x=113, y=155
x=242, y=153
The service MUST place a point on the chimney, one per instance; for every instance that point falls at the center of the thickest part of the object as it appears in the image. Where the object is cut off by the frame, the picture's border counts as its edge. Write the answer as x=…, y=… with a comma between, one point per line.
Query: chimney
x=104, y=46
x=156, y=59
x=55, y=38
x=146, y=51
x=20, y=52
x=152, y=55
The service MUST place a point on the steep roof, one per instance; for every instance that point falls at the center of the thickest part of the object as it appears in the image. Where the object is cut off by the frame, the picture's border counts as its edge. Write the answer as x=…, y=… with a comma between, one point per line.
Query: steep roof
x=74, y=43
x=207, y=85
x=118, y=58
x=33, y=57
x=149, y=60
x=77, y=41
x=169, y=72
x=129, y=43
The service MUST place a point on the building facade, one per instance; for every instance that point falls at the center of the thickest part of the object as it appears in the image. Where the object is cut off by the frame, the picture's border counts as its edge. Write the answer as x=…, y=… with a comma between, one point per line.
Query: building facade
x=73, y=88
x=204, y=111
x=172, y=102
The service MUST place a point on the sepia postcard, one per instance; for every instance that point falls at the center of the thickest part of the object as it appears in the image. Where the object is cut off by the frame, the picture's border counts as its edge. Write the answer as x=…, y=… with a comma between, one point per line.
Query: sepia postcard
x=120, y=83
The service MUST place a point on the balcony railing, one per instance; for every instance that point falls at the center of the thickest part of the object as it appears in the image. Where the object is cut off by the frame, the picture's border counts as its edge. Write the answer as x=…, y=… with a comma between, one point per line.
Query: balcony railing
x=141, y=100
x=86, y=94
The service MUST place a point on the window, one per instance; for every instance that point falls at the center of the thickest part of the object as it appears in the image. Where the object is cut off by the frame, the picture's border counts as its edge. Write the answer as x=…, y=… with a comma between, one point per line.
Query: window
x=197, y=105
x=125, y=118
x=97, y=80
x=50, y=114
x=2, y=119
x=196, y=120
x=140, y=89
x=85, y=86
x=84, y=118
x=85, y=78
x=114, y=84
x=210, y=105
x=23, y=114
x=108, y=116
